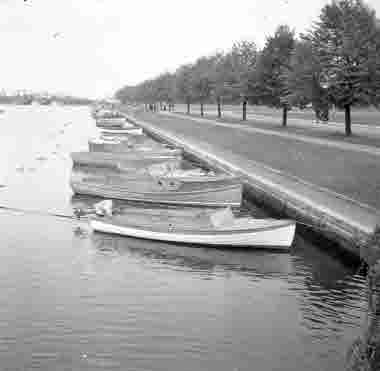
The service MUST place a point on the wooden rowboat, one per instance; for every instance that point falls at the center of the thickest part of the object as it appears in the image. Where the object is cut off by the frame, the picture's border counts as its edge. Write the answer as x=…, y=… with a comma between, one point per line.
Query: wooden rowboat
x=111, y=120
x=109, y=159
x=134, y=143
x=102, y=112
x=113, y=125
x=148, y=170
x=125, y=132
x=198, y=227
x=219, y=191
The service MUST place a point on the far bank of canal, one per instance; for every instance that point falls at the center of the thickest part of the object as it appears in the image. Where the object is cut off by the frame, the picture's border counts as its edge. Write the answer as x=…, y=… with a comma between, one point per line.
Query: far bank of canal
x=332, y=214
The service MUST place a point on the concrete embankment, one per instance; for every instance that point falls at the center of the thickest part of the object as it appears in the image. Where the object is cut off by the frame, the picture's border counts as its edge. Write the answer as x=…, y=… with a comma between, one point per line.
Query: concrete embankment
x=335, y=216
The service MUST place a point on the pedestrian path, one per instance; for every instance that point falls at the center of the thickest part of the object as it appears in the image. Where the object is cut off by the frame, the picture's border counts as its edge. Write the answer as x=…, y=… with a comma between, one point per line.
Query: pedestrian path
x=299, y=137
x=309, y=124
x=299, y=122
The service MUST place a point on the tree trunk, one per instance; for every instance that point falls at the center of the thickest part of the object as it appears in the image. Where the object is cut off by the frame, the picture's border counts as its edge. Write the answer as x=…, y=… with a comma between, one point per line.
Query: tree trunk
x=202, y=111
x=347, y=119
x=188, y=107
x=219, y=108
x=284, y=115
x=244, y=110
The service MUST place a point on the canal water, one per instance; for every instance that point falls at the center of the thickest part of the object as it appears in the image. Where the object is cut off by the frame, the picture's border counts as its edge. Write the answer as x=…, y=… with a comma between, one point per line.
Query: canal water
x=71, y=299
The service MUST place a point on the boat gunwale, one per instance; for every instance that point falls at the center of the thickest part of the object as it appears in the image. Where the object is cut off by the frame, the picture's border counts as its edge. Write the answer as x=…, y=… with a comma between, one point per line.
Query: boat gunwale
x=208, y=190
x=129, y=156
x=131, y=133
x=153, y=198
x=126, y=130
x=110, y=119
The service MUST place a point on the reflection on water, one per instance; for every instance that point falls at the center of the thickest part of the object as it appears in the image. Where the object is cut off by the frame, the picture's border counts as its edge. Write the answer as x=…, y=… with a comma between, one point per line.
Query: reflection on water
x=77, y=300
x=255, y=264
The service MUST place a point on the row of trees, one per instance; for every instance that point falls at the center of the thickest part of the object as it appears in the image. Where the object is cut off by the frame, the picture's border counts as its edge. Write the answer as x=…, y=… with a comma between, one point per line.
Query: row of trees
x=336, y=63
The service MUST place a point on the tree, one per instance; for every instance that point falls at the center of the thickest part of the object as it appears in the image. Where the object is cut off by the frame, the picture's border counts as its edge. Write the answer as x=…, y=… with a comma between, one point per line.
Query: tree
x=127, y=93
x=243, y=60
x=346, y=43
x=303, y=80
x=165, y=88
x=220, y=76
x=269, y=85
x=146, y=93
x=202, y=80
x=183, y=84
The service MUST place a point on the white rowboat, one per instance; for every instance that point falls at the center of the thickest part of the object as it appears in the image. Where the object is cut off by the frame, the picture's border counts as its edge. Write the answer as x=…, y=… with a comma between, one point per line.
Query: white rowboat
x=244, y=231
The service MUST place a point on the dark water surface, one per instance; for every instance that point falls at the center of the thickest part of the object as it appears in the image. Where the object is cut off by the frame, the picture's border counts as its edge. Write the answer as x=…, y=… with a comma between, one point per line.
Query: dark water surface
x=71, y=299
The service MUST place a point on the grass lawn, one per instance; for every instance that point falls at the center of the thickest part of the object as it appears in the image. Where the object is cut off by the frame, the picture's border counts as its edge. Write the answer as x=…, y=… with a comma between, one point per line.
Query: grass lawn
x=354, y=174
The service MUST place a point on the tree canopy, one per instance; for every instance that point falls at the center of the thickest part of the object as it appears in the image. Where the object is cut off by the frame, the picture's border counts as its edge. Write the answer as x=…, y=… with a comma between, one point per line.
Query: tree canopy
x=270, y=85
x=303, y=80
x=336, y=63
x=346, y=44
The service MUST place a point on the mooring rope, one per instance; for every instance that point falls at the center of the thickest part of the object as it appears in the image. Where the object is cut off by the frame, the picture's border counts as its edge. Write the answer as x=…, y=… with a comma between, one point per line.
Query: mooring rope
x=79, y=213
x=41, y=213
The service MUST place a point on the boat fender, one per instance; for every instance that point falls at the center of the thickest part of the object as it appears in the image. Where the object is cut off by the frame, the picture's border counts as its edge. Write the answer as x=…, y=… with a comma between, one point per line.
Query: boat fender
x=103, y=208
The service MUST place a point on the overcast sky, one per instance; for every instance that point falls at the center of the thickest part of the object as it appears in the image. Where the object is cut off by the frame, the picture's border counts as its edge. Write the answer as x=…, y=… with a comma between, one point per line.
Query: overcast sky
x=93, y=47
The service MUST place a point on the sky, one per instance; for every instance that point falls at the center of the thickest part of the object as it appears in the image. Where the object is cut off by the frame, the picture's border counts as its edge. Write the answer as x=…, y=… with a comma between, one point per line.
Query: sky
x=90, y=48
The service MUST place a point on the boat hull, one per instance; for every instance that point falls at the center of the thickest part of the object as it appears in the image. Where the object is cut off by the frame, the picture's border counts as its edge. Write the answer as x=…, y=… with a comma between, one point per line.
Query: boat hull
x=109, y=159
x=164, y=191
x=125, y=132
x=277, y=237
x=143, y=144
x=115, y=121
